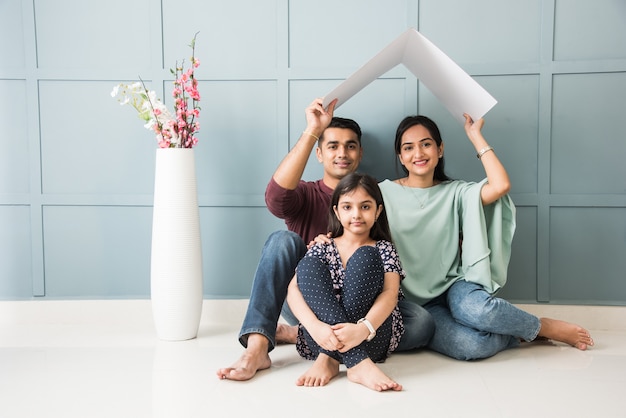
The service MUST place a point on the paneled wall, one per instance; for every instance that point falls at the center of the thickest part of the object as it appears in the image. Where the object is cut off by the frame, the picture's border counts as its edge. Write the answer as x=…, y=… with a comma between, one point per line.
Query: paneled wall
x=76, y=169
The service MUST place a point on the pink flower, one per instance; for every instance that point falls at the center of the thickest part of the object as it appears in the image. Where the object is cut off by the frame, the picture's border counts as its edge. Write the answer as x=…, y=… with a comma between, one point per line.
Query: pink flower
x=171, y=129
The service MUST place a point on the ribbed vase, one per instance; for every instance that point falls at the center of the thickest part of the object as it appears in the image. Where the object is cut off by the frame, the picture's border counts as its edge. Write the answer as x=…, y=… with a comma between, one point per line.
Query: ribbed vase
x=176, y=265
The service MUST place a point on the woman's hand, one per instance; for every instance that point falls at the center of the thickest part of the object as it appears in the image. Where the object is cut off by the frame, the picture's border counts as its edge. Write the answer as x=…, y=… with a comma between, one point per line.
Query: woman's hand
x=350, y=335
x=473, y=129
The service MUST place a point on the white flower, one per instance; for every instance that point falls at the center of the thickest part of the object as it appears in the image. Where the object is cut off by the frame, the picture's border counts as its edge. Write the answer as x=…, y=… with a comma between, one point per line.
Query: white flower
x=171, y=129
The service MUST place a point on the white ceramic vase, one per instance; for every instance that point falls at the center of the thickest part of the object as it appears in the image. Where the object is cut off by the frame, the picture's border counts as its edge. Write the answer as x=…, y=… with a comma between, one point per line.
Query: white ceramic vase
x=176, y=265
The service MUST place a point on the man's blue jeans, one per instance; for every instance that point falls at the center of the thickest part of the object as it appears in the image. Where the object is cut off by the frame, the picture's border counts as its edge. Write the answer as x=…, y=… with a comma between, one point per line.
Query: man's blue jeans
x=472, y=324
x=279, y=258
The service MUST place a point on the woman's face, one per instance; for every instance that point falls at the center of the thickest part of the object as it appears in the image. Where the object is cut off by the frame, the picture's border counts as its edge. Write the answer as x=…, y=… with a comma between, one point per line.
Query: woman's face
x=419, y=152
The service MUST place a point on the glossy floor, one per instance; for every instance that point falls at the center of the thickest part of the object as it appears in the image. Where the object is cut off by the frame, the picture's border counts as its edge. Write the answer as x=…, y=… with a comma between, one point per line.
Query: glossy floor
x=102, y=359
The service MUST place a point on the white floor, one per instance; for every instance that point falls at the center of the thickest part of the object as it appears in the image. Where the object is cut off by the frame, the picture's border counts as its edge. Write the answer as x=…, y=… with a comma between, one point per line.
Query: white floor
x=102, y=359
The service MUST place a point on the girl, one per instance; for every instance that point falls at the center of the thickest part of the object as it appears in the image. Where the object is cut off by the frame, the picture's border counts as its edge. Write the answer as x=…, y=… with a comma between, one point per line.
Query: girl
x=345, y=294
x=454, y=281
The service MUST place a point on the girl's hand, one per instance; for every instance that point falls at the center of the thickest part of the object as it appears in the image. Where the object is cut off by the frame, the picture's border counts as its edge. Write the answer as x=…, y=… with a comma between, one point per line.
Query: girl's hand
x=350, y=335
x=320, y=239
x=325, y=337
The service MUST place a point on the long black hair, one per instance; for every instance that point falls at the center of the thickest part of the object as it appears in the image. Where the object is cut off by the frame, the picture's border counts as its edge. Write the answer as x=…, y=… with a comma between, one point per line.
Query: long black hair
x=380, y=230
x=432, y=128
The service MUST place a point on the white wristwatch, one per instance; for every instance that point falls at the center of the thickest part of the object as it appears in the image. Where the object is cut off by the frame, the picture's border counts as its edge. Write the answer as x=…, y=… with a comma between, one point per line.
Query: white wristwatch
x=369, y=326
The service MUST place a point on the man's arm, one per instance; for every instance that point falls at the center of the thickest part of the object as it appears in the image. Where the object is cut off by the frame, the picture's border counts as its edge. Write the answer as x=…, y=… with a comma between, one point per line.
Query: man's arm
x=291, y=168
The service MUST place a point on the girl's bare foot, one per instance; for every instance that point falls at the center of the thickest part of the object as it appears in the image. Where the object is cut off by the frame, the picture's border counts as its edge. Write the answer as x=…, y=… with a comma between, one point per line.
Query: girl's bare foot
x=322, y=371
x=369, y=375
x=255, y=358
x=565, y=332
x=286, y=334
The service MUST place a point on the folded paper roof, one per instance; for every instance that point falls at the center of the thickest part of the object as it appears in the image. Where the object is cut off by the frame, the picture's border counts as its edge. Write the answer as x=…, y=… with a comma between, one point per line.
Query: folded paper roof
x=452, y=86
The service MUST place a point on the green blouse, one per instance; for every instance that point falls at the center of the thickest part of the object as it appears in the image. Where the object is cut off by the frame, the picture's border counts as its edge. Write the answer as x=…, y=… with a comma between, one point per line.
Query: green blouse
x=427, y=226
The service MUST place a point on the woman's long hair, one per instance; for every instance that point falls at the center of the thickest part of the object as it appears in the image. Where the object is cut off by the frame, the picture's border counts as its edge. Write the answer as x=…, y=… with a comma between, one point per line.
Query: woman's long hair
x=380, y=230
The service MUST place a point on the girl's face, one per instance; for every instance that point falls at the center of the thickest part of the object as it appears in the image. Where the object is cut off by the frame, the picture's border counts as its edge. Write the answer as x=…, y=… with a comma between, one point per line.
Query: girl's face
x=357, y=212
x=419, y=153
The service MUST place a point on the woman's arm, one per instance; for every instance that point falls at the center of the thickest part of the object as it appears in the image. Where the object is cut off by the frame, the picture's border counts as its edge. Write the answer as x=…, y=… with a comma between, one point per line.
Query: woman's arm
x=321, y=332
x=498, y=183
x=351, y=335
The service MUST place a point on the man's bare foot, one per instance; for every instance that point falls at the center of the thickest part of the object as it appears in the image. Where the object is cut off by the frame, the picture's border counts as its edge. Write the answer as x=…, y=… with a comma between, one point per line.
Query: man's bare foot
x=565, y=332
x=286, y=334
x=369, y=375
x=322, y=371
x=255, y=358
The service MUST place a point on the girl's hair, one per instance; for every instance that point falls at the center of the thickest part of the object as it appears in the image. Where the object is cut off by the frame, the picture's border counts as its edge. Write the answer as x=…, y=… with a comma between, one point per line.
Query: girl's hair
x=432, y=128
x=380, y=229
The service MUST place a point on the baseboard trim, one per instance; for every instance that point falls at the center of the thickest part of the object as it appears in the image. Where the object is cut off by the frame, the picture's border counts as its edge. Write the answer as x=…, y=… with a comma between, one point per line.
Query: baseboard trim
x=227, y=311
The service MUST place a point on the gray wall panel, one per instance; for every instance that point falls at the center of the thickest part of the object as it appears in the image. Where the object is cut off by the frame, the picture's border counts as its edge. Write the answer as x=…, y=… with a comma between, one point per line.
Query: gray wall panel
x=101, y=36
x=11, y=36
x=587, y=255
x=585, y=30
x=495, y=31
x=237, y=39
x=329, y=34
x=97, y=252
x=93, y=153
x=15, y=247
x=588, y=131
x=14, y=155
x=239, y=138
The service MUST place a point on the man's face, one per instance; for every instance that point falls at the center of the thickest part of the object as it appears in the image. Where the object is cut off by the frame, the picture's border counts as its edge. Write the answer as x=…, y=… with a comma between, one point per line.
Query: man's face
x=340, y=153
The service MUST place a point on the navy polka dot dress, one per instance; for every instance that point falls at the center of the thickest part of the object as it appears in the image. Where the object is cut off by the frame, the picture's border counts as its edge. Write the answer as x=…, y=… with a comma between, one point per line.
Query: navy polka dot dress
x=338, y=295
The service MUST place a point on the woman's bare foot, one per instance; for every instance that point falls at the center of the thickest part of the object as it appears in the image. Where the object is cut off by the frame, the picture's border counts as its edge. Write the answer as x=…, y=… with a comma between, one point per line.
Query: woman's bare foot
x=369, y=375
x=322, y=371
x=286, y=334
x=565, y=332
x=255, y=358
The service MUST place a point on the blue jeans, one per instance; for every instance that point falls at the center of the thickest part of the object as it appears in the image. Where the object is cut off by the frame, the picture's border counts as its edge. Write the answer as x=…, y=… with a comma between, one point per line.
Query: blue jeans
x=419, y=326
x=280, y=256
x=472, y=324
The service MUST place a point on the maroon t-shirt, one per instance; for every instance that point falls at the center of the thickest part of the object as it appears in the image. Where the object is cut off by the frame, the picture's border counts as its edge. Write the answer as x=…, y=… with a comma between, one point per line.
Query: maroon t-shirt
x=304, y=210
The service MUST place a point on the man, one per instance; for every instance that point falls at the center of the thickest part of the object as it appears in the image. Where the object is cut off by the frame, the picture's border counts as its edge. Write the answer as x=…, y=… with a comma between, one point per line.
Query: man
x=304, y=207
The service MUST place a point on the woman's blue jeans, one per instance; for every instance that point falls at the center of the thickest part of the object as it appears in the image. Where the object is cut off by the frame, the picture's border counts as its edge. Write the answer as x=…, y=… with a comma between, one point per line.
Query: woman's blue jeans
x=472, y=324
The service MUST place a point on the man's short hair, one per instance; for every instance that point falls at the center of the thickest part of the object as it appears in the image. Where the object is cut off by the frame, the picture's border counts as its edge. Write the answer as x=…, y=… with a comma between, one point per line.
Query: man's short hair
x=343, y=123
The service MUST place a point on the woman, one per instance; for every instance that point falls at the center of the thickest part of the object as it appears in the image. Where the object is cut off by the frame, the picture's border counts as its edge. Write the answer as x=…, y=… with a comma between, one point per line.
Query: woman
x=454, y=240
